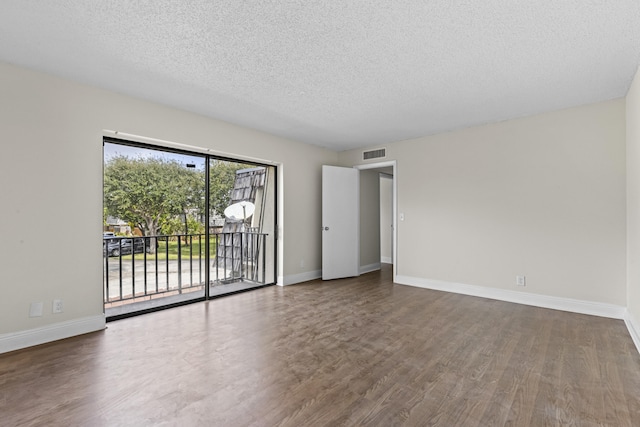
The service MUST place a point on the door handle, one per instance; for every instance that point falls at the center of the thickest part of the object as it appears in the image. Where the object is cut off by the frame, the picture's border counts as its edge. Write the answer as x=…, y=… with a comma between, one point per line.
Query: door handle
x=326, y=228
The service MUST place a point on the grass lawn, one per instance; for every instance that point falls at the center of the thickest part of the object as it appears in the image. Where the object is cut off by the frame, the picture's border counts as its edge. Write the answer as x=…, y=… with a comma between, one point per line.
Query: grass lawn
x=196, y=249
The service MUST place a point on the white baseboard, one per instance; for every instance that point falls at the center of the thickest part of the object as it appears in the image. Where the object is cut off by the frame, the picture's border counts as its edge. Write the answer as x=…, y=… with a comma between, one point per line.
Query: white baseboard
x=369, y=268
x=292, y=279
x=57, y=331
x=634, y=329
x=545, y=301
x=385, y=260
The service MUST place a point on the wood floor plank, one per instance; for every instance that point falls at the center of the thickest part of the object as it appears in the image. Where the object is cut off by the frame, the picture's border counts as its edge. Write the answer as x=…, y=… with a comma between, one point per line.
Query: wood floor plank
x=359, y=351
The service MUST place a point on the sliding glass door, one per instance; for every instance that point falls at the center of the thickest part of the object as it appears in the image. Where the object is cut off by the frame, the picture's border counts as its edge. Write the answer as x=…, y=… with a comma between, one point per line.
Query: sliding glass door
x=181, y=226
x=242, y=226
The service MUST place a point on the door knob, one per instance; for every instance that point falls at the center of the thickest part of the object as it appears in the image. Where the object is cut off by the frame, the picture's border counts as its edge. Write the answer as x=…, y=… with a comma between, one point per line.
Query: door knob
x=326, y=228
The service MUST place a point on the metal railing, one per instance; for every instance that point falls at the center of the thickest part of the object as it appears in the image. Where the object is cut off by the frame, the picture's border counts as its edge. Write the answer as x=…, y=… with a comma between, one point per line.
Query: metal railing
x=136, y=267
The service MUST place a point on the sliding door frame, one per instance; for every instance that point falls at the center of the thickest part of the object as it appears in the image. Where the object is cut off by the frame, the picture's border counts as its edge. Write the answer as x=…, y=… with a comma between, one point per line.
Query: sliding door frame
x=273, y=168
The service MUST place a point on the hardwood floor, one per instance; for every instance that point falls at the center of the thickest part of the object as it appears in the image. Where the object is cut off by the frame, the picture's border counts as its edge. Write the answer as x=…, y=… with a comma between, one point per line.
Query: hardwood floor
x=360, y=351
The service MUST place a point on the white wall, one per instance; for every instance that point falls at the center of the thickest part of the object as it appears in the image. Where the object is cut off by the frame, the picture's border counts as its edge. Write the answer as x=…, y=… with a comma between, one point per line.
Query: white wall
x=51, y=192
x=541, y=196
x=633, y=208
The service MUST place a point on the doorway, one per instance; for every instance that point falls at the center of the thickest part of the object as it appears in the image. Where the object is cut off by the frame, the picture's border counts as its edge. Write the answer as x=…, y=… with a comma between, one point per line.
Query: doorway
x=386, y=217
x=378, y=215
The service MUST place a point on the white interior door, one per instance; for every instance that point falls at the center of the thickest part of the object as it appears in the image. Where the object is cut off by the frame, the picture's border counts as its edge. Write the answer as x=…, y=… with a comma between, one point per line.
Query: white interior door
x=340, y=222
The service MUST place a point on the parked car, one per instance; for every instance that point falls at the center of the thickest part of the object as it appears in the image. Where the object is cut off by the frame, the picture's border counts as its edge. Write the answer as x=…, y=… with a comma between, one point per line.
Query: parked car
x=115, y=246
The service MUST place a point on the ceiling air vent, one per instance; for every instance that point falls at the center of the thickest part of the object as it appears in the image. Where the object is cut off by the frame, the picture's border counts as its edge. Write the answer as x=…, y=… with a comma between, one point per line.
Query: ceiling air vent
x=374, y=154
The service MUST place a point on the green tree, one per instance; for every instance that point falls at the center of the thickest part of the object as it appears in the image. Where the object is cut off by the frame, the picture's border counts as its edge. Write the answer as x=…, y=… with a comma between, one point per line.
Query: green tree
x=195, y=226
x=144, y=191
x=162, y=196
x=193, y=199
x=170, y=225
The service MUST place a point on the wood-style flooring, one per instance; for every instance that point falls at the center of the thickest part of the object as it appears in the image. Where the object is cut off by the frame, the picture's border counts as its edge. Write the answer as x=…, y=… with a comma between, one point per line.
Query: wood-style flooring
x=353, y=352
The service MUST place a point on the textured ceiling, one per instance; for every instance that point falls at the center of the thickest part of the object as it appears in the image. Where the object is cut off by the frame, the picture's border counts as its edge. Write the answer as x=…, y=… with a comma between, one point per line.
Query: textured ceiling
x=334, y=73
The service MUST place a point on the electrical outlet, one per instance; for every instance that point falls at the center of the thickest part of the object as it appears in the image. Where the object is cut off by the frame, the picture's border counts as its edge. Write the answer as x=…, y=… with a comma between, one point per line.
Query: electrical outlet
x=302, y=263
x=520, y=281
x=35, y=310
x=57, y=306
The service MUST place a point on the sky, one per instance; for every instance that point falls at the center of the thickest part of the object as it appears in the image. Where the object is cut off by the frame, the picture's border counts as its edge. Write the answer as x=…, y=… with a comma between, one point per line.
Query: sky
x=113, y=150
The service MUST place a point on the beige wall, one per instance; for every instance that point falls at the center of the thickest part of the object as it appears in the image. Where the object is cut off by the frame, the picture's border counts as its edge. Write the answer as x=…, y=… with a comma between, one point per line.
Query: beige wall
x=51, y=191
x=633, y=201
x=542, y=196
